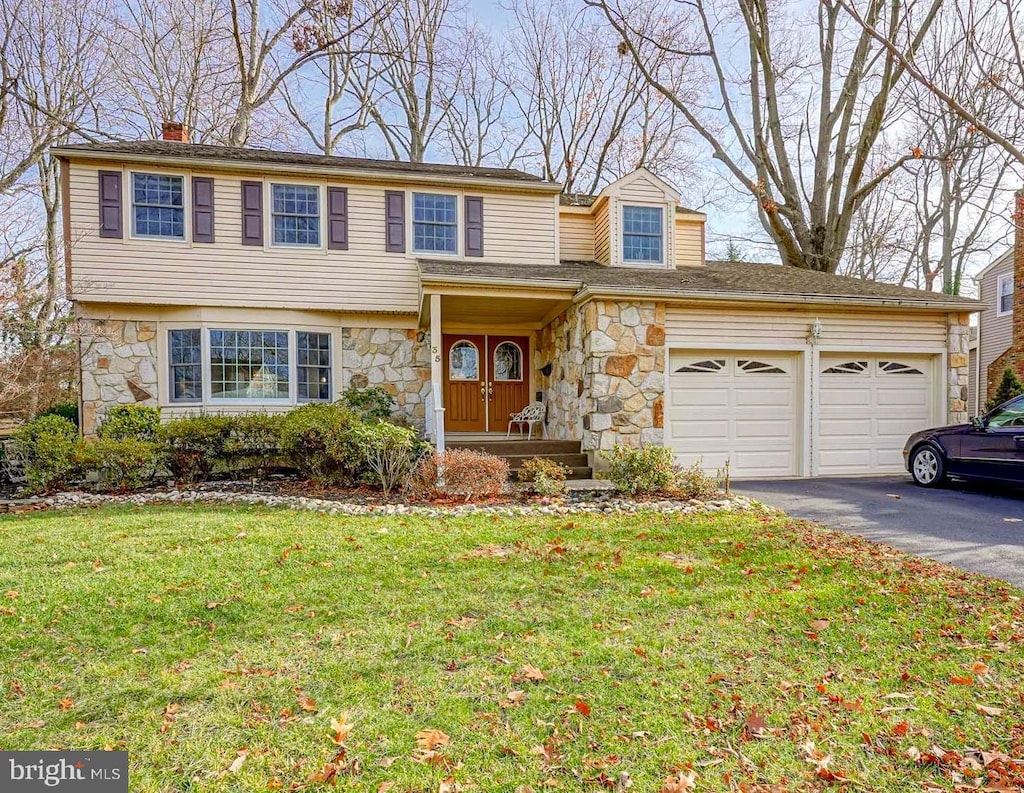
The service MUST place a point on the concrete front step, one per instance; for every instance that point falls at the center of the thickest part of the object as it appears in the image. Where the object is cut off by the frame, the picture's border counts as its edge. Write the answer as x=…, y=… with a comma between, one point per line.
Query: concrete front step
x=517, y=452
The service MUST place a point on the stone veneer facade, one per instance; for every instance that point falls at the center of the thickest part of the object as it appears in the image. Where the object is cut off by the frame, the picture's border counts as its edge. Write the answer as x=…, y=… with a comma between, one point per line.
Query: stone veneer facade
x=957, y=365
x=119, y=367
x=397, y=360
x=607, y=378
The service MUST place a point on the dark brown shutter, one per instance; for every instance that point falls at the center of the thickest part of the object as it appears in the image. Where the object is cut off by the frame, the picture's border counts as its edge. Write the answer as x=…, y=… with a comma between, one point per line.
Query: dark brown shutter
x=474, y=226
x=337, y=218
x=252, y=213
x=111, y=216
x=394, y=210
x=202, y=209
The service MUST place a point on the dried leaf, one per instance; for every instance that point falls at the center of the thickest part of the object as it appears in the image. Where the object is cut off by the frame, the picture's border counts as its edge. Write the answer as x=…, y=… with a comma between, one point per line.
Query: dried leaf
x=582, y=707
x=431, y=739
x=513, y=698
x=308, y=704
x=987, y=710
x=342, y=728
x=680, y=783
x=238, y=762
x=532, y=673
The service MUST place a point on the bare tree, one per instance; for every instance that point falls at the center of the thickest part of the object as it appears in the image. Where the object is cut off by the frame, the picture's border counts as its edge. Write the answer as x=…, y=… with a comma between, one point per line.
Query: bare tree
x=986, y=45
x=588, y=114
x=171, y=60
x=272, y=40
x=795, y=119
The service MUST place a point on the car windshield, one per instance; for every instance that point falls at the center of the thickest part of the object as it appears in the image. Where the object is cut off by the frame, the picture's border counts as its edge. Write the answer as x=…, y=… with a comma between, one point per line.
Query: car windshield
x=1009, y=415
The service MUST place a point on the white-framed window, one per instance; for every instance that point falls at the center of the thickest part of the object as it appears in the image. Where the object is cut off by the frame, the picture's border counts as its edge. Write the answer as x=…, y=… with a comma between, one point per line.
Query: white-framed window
x=185, y=354
x=239, y=365
x=295, y=215
x=435, y=223
x=643, y=234
x=158, y=206
x=508, y=362
x=312, y=366
x=1004, y=297
x=463, y=361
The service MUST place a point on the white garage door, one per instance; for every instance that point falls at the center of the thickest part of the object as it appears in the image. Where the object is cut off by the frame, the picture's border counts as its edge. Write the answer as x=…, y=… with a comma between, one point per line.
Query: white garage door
x=867, y=406
x=740, y=407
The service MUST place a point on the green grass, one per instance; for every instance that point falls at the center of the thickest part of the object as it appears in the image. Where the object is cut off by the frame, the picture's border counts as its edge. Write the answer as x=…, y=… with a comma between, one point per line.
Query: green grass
x=187, y=635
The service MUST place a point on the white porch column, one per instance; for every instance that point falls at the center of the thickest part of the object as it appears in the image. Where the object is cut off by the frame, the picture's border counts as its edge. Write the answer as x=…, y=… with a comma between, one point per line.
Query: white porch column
x=437, y=371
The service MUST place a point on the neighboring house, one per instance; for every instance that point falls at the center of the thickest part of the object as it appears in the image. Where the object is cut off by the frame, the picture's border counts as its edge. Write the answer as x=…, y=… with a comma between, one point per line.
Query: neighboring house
x=226, y=279
x=1000, y=338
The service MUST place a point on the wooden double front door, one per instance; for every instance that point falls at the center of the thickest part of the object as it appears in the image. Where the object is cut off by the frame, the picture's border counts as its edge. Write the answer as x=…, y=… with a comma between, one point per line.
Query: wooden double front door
x=486, y=380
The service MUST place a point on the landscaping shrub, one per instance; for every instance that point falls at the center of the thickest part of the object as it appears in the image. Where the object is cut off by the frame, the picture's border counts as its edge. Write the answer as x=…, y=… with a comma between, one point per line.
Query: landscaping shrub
x=466, y=473
x=390, y=452
x=192, y=446
x=48, y=449
x=543, y=476
x=254, y=444
x=695, y=483
x=640, y=470
x=1009, y=387
x=68, y=410
x=370, y=404
x=324, y=442
x=123, y=463
x=138, y=422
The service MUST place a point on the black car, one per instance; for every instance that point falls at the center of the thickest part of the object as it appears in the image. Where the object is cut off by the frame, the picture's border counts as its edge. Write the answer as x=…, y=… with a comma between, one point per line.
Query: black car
x=990, y=447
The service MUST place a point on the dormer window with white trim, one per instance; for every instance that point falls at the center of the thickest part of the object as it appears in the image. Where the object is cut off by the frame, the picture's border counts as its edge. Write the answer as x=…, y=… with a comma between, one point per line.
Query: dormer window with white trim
x=643, y=235
x=1004, y=287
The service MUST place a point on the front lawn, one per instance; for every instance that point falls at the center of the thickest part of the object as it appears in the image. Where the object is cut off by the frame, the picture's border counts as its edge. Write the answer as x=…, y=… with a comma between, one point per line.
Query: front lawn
x=739, y=651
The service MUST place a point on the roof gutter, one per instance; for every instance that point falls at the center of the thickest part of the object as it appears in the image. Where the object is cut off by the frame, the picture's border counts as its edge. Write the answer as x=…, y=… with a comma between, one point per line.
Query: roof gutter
x=365, y=174
x=512, y=283
x=588, y=292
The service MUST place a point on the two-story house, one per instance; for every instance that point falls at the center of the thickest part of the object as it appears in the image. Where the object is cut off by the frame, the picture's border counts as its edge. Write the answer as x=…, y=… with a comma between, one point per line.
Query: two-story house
x=229, y=279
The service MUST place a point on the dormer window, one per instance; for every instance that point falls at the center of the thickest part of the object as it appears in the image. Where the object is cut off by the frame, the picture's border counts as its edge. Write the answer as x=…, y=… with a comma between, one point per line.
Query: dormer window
x=158, y=206
x=643, y=232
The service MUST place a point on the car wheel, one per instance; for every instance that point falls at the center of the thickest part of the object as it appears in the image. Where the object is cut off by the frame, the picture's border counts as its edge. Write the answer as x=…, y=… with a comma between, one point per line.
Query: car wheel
x=927, y=467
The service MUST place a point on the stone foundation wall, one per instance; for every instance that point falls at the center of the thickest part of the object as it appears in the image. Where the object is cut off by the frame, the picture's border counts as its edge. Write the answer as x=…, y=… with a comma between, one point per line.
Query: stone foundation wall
x=119, y=367
x=958, y=364
x=395, y=359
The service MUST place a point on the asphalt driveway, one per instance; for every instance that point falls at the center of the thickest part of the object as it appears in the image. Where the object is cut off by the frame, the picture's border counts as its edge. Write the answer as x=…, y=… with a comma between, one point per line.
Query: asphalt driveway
x=976, y=528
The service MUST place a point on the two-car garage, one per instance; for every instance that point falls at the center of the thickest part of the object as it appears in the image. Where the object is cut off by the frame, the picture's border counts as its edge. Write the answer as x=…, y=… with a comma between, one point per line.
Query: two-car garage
x=809, y=407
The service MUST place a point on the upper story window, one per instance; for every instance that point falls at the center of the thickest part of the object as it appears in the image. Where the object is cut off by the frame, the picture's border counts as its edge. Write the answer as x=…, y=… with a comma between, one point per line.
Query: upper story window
x=434, y=223
x=295, y=213
x=1005, y=297
x=158, y=206
x=642, y=235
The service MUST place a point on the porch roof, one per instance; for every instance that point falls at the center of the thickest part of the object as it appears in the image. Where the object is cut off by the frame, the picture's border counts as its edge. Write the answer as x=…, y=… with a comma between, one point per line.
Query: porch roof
x=717, y=280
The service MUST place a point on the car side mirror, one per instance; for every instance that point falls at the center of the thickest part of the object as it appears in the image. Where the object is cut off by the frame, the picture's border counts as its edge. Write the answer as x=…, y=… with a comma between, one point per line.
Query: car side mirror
x=978, y=422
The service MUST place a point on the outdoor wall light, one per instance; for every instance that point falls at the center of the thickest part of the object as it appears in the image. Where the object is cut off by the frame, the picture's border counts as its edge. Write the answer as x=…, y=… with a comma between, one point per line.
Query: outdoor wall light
x=815, y=331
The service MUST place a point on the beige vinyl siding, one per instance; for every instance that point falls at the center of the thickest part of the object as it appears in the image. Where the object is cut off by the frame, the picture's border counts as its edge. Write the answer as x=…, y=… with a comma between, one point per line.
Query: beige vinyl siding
x=643, y=190
x=602, y=234
x=995, y=332
x=709, y=328
x=576, y=236
x=689, y=242
x=518, y=228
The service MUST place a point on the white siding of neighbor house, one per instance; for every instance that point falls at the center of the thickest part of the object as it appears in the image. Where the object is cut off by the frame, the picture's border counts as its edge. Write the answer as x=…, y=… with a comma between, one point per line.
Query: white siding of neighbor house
x=518, y=228
x=689, y=242
x=576, y=235
x=707, y=328
x=995, y=332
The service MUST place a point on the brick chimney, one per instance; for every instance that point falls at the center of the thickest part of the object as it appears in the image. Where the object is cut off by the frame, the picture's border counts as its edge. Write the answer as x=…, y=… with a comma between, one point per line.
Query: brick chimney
x=176, y=131
x=1014, y=355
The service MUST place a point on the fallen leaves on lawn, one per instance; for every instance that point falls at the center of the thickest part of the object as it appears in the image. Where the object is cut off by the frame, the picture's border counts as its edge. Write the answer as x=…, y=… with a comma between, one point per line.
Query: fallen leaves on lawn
x=431, y=739
x=238, y=762
x=680, y=783
x=582, y=707
x=531, y=673
x=341, y=728
x=170, y=714
x=512, y=699
x=308, y=704
x=67, y=703
x=986, y=710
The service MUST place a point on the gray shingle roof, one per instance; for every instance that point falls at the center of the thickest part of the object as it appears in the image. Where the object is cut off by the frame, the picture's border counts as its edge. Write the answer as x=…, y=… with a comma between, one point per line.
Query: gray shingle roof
x=714, y=280
x=171, y=150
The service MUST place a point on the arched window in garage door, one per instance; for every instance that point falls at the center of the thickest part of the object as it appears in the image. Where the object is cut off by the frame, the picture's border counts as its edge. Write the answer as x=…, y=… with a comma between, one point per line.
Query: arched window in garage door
x=850, y=367
x=895, y=367
x=702, y=367
x=759, y=367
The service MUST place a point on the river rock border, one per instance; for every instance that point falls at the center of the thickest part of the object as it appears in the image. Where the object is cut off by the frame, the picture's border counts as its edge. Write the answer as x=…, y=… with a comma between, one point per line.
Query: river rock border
x=605, y=503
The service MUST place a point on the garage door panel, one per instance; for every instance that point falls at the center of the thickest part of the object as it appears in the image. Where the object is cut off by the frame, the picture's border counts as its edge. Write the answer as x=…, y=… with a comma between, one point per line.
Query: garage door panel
x=742, y=411
x=868, y=411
